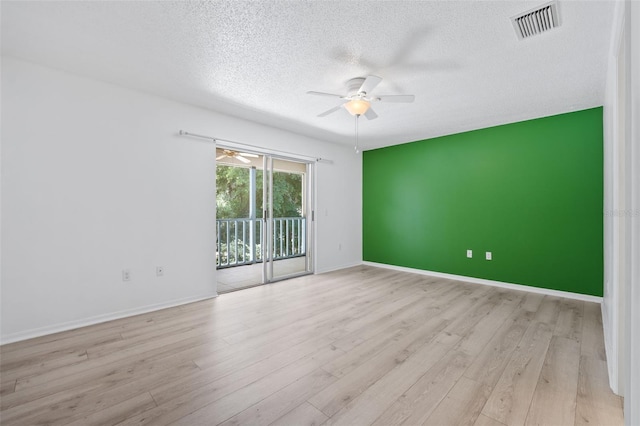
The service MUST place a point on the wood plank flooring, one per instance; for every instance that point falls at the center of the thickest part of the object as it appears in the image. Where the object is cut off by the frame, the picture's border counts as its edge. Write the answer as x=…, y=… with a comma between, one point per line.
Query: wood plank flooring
x=361, y=346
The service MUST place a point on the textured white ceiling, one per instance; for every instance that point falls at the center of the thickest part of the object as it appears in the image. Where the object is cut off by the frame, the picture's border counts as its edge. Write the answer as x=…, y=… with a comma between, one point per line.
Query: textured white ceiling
x=256, y=60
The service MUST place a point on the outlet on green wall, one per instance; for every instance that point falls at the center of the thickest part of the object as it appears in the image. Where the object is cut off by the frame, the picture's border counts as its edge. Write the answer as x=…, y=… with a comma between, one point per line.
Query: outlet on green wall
x=530, y=192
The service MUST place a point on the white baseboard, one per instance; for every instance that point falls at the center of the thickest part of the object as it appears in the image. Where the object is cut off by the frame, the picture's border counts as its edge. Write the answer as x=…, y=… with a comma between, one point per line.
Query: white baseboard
x=337, y=268
x=519, y=287
x=71, y=325
x=611, y=350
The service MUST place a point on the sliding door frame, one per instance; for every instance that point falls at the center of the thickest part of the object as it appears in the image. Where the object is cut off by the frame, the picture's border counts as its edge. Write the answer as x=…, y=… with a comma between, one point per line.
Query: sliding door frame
x=308, y=197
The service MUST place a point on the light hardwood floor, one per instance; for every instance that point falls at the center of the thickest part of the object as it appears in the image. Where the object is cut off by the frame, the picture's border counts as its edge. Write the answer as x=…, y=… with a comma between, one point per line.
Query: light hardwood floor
x=362, y=346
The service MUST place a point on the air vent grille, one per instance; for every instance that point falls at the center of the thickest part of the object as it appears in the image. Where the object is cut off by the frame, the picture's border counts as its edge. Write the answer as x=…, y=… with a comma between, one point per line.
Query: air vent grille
x=536, y=21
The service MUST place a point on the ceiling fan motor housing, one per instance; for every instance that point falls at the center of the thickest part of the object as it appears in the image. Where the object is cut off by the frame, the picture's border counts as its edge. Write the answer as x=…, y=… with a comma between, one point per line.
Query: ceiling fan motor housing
x=354, y=85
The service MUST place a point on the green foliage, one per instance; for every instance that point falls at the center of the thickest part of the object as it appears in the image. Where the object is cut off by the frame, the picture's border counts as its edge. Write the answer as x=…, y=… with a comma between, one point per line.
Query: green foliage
x=232, y=197
x=287, y=194
x=232, y=192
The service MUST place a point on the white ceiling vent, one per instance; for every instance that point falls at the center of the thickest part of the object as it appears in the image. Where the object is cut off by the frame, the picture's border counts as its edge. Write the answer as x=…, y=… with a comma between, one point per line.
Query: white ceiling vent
x=536, y=21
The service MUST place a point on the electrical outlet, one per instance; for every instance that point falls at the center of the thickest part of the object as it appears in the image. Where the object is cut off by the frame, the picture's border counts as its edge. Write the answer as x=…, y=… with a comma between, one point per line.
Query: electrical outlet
x=126, y=275
x=469, y=254
x=159, y=271
x=488, y=255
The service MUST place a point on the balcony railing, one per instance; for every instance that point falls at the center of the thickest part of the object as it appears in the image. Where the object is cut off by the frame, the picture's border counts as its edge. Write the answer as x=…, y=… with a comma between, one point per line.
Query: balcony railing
x=240, y=240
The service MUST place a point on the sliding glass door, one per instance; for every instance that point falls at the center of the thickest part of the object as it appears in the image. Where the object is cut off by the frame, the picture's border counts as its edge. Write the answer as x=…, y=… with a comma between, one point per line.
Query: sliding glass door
x=287, y=226
x=263, y=210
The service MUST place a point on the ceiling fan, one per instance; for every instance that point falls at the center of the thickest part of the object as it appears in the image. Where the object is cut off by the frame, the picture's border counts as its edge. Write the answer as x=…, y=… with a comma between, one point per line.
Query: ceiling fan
x=241, y=156
x=358, y=99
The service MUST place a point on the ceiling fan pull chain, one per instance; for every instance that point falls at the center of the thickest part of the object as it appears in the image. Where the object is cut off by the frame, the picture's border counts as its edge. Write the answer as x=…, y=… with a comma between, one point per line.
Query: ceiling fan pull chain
x=356, y=147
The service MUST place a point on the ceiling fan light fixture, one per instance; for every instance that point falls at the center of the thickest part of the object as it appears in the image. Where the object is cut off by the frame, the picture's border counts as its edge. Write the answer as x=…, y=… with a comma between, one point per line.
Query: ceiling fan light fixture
x=357, y=106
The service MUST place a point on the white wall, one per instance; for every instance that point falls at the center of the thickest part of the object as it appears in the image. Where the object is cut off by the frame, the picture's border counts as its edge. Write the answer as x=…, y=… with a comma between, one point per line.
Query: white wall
x=632, y=325
x=621, y=302
x=95, y=179
x=614, y=204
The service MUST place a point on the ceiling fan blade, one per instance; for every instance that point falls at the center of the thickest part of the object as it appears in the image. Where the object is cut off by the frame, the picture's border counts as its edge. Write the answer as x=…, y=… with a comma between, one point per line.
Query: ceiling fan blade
x=220, y=157
x=369, y=84
x=396, y=98
x=246, y=154
x=330, y=111
x=325, y=94
x=244, y=160
x=371, y=114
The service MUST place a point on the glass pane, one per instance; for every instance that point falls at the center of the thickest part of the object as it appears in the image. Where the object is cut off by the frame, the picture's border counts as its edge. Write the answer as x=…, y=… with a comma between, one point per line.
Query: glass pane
x=239, y=220
x=289, y=231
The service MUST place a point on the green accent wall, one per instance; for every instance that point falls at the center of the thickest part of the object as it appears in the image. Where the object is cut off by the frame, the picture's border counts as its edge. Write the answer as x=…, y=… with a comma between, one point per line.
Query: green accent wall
x=529, y=192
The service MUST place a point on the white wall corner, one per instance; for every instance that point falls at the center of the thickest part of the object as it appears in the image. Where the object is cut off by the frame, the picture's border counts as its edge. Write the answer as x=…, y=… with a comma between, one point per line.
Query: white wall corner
x=632, y=317
x=613, y=299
